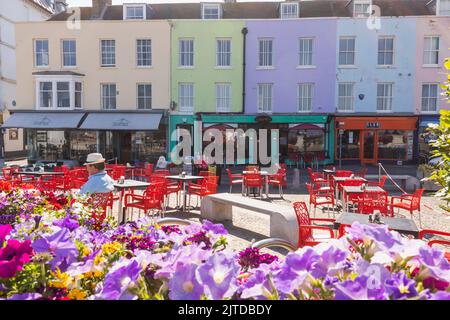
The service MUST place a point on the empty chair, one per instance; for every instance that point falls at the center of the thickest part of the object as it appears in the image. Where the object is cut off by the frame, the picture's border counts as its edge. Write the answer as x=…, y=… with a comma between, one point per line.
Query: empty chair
x=380, y=183
x=277, y=180
x=234, y=178
x=319, y=197
x=253, y=180
x=207, y=186
x=409, y=202
x=371, y=201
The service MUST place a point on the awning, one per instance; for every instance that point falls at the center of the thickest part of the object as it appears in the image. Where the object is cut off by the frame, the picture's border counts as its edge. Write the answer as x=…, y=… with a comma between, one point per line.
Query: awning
x=424, y=121
x=44, y=120
x=306, y=126
x=134, y=121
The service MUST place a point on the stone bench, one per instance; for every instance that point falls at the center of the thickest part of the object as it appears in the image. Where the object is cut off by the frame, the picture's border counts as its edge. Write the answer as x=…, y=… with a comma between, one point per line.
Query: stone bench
x=407, y=182
x=283, y=221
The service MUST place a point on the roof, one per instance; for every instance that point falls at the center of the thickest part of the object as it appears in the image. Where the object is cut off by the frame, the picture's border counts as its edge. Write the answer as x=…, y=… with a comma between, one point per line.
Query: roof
x=260, y=10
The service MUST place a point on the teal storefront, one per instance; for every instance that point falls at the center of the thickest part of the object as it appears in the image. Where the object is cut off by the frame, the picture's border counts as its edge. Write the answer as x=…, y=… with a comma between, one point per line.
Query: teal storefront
x=300, y=136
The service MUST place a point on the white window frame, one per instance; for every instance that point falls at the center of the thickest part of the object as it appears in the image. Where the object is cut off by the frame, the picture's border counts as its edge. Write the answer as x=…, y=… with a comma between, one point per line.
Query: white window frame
x=36, y=54
x=221, y=55
x=54, y=80
x=134, y=6
x=431, y=51
x=439, y=10
x=286, y=11
x=367, y=4
x=109, y=96
x=223, y=102
x=347, y=52
x=386, y=100
x=300, y=53
x=71, y=53
x=180, y=53
x=101, y=54
x=138, y=52
x=145, y=96
x=386, y=51
x=429, y=98
x=350, y=98
x=211, y=6
x=183, y=108
x=266, y=54
x=302, y=88
x=265, y=89
x=81, y=95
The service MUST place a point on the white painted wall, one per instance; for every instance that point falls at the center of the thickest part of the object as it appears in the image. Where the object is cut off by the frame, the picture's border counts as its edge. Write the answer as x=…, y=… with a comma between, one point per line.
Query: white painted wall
x=12, y=11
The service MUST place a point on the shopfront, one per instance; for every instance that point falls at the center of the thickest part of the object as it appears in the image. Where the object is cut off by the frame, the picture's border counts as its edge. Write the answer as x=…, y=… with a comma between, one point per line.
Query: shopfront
x=298, y=134
x=123, y=137
x=375, y=139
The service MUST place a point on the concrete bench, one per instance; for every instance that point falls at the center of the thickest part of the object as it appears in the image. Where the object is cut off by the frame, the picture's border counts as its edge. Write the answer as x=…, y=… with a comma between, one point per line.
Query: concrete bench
x=283, y=221
x=407, y=182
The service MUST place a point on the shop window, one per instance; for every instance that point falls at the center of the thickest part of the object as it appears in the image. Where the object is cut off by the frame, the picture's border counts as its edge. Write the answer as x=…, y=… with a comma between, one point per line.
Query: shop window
x=350, y=145
x=148, y=145
x=305, y=141
x=392, y=144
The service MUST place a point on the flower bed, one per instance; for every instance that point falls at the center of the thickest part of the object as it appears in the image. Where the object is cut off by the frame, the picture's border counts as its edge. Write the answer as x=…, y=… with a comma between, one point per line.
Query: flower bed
x=51, y=248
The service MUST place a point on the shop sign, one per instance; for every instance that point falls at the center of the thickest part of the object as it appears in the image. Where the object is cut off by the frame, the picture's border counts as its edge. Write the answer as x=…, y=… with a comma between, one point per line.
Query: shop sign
x=44, y=121
x=372, y=125
x=121, y=123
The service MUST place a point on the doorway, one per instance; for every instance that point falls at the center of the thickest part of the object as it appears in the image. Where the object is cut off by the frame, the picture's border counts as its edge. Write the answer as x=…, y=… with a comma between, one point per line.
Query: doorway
x=369, y=146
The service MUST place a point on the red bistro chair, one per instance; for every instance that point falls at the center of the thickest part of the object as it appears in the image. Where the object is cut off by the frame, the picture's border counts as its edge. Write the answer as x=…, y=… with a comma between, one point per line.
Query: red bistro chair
x=118, y=171
x=319, y=197
x=152, y=199
x=343, y=173
x=207, y=186
x=317, y=177
x=253, y=180
x=380, y=183
x=374, y=200
x=306, y=236
x=350, y=183
x=444, y=242
x=277, y=180
x=234, y=179
x=409, y=202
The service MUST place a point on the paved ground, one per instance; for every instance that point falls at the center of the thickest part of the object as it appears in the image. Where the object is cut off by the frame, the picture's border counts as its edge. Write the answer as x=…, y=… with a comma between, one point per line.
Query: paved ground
x=247, y=227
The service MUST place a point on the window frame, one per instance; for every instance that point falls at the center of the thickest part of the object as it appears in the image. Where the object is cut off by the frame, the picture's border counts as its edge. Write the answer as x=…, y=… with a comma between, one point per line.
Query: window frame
x=259, y=106
x=180, y=53
x=430, y=51
x=223, y=53
x=429, y=84
x=134, y=6
x=265, y=66
x=387, y=37
x=70, y=53
x=346, y=97
x=222, y=98
x=150, y=54
x=72, y=80
x=145, y=96
x=347, y=65
x=102, y=106
x=362, y=3
x=181, y=107
x=290, y=15
x=217, y=6
x=35, y=41
x=390, y=99
x=302, y=99
x=438, y=8
x=300, y=52
x=101, y=54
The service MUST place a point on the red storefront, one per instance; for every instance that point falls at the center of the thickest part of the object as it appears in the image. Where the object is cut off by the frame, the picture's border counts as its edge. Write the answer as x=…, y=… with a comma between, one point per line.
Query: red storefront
x=374, y=139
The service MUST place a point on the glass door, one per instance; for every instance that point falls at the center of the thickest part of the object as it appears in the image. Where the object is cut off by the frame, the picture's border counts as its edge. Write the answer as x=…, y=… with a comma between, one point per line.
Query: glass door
x=368, y=149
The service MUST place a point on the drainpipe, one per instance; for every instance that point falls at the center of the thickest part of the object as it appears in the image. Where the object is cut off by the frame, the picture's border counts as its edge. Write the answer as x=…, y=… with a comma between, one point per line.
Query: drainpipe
x=244, y=33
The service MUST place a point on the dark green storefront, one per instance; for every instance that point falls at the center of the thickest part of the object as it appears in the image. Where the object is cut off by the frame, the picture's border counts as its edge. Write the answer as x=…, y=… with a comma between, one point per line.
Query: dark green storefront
x=298, y=134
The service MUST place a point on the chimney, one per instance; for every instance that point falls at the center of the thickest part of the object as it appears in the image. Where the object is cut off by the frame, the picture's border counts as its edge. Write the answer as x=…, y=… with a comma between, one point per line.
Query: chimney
x=98, y=8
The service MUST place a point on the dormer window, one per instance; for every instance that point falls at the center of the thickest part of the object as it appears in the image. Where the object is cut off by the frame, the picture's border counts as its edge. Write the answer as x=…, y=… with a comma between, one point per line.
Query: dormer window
x=134, y=12
x=289, y=11
x=361, y=8
x=211, y=11
x=443, y=8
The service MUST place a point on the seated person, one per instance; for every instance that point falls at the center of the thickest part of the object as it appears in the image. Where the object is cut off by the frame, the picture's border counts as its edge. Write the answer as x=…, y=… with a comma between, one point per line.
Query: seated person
x=99, y=181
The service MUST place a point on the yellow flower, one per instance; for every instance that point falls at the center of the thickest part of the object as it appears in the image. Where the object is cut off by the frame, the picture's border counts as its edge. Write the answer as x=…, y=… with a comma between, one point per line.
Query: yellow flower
x=98, y=259
x=111, y=247
x=63, y=279
x=86, y=251
x=77, y=294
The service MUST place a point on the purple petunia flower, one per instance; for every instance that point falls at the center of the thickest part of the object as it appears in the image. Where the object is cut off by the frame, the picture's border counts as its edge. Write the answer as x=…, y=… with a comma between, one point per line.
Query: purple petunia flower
x=358, y=289
x=184, y=285
x=61, y=245
x=218, y=275
x=25, y=296
x=437, y=266
x=4, y=231
x=68, y=223
x=401, y=287
x=118, y=282
x=440, y=295
x=217, y=229
x=13, y=256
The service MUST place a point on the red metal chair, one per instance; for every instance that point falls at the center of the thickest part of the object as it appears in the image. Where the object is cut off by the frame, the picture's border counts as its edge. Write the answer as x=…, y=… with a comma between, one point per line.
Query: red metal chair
x=343, y=173
x=100, y=202
x=118, y=171
x=253, y=180
x=278, y=179
x=374, y=200
x=378, y=183
x=409, y=202
x=444, y=242
x=8, y=172
x=206, y=187
x=350, y=183
x=151, y=199
x=317, y=177
x=234, y=179
x=306, y=236
x=318, y=197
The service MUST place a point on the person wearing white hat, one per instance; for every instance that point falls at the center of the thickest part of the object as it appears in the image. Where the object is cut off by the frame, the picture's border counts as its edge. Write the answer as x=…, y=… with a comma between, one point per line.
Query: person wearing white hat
x=99, y=181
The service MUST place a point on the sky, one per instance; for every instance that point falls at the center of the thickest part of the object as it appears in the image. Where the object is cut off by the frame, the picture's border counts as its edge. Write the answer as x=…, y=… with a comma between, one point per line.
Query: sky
x=87, y=3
